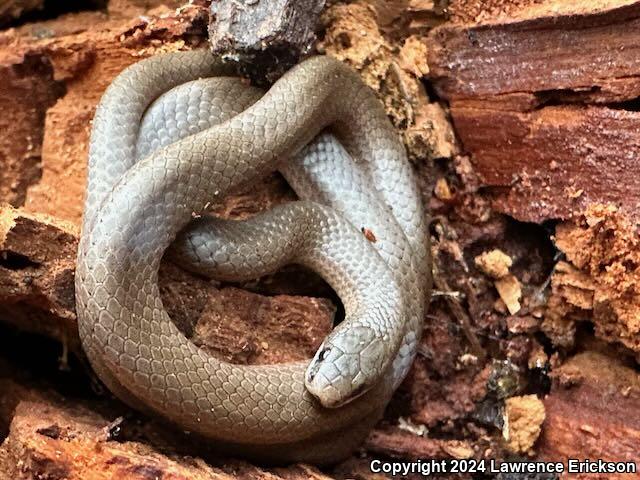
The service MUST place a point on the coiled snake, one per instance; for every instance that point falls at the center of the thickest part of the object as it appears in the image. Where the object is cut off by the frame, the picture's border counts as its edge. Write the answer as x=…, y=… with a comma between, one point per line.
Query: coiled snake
x=174, y=132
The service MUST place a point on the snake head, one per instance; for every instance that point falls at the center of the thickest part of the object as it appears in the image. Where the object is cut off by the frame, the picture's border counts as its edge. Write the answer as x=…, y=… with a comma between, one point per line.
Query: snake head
x=347, y=364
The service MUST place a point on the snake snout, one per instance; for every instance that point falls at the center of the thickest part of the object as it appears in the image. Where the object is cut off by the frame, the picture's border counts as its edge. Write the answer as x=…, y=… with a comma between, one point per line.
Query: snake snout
x=346, y=365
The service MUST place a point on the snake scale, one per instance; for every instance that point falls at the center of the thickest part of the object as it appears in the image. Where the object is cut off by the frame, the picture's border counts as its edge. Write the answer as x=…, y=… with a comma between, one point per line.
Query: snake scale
x=177, y=131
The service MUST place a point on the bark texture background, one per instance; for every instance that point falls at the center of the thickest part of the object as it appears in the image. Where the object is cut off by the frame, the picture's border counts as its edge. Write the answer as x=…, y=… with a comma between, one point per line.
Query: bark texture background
x=520, y=118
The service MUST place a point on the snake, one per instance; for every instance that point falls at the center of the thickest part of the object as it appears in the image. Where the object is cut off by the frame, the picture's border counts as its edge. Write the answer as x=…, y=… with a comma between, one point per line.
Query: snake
x=174, y=133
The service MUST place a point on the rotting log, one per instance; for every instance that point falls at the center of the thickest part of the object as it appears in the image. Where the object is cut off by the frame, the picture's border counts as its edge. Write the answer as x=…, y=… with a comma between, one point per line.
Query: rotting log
x=544, y=102
x=81, y=54
x=267, y=37
x=593, y=412
x=53, y=437
x=12, y=10
x=37, y=266
x=54, y=74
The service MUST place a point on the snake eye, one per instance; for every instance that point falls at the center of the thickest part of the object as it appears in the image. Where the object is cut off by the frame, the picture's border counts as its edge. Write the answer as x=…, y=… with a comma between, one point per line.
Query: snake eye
x=323, y=354
x=315, y=366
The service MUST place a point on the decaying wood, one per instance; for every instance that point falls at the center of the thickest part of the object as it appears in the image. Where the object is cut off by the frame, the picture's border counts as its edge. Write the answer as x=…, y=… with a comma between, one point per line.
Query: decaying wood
x=57, y=438
x=543, y=101
x=600, y=284
x=355, y=34
x=76, y=58
x=268, y=37
x=523, y=422
x=37, y=265
x=36, y=274
x=593, y=411
x=11, y=10
x=539, y=116
x=55, y=74
x=404, y=444
x=28, y=89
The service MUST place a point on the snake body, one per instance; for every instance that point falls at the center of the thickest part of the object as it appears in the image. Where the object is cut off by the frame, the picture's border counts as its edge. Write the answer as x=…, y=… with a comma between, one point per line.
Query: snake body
x=166, y=140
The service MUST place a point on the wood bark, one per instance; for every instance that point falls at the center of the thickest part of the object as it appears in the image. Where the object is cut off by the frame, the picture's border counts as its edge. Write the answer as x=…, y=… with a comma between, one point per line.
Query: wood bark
x=12, y=10
x=55, y=73
x=267, y=37
x=544, y=102
x=542, y=98
x=592, y=412
x=56, y=438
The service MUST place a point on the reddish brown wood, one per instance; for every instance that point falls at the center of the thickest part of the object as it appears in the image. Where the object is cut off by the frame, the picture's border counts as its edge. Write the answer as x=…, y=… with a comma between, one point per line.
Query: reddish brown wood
x=544, y=103
x=583, y=50
x=28, y=89
x=553, y=162
x=59, y=439
x=593, y=412
x=12, y=10
x=37, y=294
